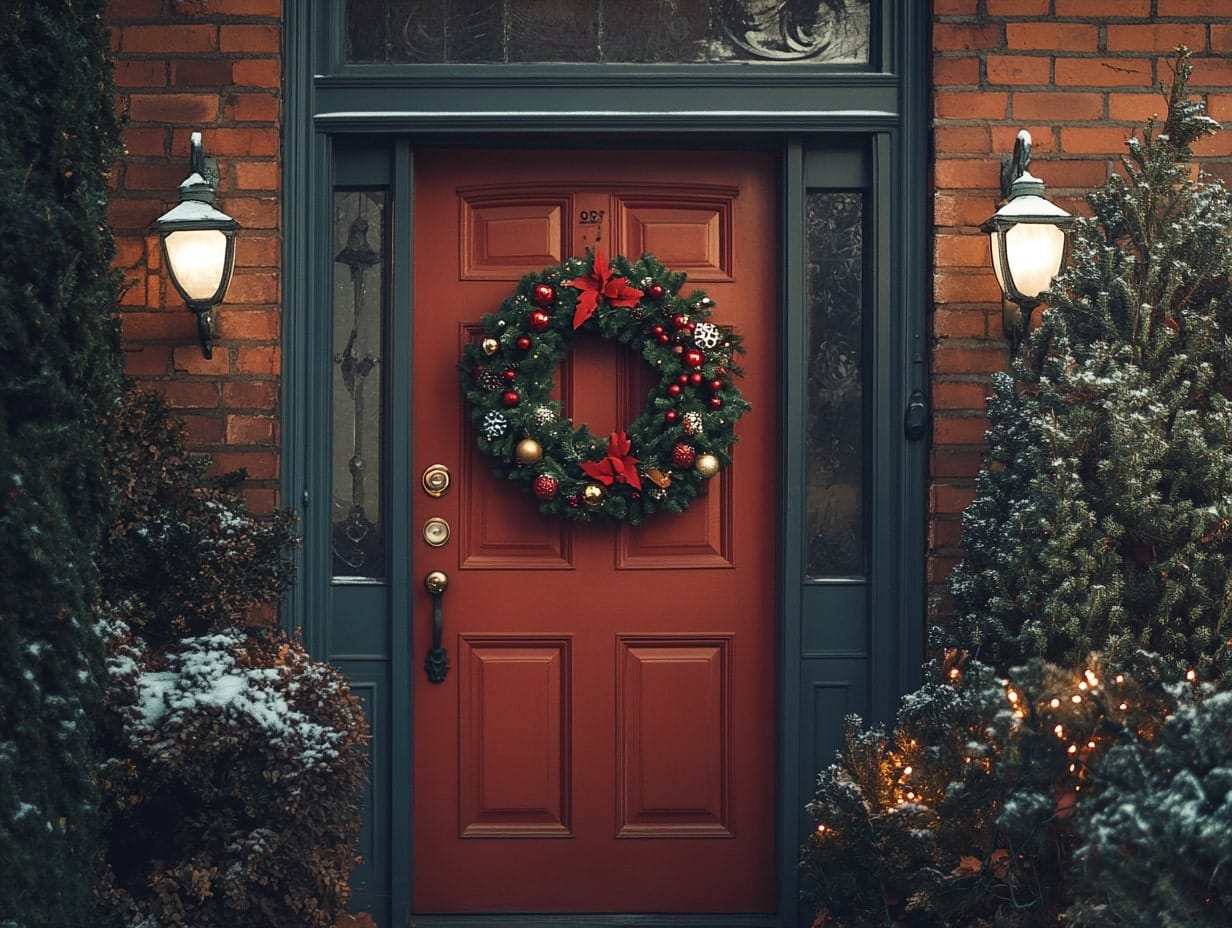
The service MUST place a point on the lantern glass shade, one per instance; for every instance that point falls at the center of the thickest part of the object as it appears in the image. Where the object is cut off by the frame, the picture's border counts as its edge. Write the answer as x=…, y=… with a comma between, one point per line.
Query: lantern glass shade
x=200, y=263
x=1030, y=238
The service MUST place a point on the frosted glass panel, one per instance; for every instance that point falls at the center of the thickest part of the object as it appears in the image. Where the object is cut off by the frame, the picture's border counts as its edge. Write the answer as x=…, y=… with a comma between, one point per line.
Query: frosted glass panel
x=358, y=436
x=836, y=505
x=834, y=32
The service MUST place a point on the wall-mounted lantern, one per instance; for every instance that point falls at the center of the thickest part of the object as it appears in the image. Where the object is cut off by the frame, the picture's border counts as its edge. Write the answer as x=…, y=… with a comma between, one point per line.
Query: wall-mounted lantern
x=1030, y=239
x=198, y=245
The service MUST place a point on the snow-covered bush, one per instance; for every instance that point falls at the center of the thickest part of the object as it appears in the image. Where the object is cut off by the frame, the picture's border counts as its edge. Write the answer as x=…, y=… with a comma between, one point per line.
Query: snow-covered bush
x=235, y=792
x=1158, y=832
x=233, y=761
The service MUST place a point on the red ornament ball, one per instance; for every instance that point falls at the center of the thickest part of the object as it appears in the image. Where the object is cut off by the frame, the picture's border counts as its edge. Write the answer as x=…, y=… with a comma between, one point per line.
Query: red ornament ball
x=510, y=376
x=716, y=402
x=680, y=321
x=683, y=455
x=674, y=389
x=540, y=320
x=682, y=379
x=694, y=358
x=671, y=416
x=677, y=349
x=663, y=339
x=524, y=343
x=656, y=330
x=655, y=291
x=543, y=294
x=510, y=398
x=695, y=378
x=716, y=385
x=546, y=486
x=573, y=501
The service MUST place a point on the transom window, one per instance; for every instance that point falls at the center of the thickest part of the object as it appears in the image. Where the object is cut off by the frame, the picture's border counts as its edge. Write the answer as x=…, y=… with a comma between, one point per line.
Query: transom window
x=828, y=32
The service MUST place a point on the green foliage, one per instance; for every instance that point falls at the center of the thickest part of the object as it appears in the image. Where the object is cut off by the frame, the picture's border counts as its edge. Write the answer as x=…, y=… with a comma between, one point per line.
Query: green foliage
x=1159, y=833
x=59, y=376
x=1040, y=785
x=963, y=816
x=233, y=760
x=1104, y=517
x=184, y=555
x=702, y=401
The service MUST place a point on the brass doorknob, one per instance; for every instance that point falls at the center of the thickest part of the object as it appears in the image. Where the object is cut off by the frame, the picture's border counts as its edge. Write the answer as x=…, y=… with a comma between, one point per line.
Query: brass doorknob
x=436, y=582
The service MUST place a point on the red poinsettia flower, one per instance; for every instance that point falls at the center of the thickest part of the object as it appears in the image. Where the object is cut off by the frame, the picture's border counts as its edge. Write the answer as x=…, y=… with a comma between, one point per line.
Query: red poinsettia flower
x=601, y=282
x=618, y=467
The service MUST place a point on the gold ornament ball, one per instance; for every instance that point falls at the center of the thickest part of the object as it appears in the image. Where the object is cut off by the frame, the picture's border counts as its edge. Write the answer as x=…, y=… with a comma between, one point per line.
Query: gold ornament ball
x=706, y=465
x=528, y=451
x=592, y=494
x=490, y=346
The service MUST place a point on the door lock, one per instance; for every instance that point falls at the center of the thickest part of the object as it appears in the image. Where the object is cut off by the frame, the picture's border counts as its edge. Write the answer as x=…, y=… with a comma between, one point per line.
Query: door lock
x=436, y=480
x=436, y=532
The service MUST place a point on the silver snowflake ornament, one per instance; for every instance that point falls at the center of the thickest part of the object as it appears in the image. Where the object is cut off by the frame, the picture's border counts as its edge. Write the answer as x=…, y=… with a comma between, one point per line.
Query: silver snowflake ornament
x=494, y=425
x=706, y=335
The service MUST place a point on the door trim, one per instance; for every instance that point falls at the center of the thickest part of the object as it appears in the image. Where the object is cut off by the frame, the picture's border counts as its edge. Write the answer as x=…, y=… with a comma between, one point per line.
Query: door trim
x=320, y=108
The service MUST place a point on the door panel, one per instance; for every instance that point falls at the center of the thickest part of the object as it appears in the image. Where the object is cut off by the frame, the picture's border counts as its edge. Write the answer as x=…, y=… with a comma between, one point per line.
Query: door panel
x=604, y=741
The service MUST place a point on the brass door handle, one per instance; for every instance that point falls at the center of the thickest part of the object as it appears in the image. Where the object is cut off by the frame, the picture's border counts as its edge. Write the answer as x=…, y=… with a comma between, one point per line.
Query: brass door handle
x=436, y=664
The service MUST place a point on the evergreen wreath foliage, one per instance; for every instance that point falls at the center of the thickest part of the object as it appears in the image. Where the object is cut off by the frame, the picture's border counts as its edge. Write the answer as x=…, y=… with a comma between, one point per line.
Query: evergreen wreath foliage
x=1066, y=762
x=661, y=461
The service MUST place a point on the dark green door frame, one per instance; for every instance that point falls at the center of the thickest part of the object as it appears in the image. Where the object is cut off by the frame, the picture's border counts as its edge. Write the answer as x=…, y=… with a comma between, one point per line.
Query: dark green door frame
x=346, y=123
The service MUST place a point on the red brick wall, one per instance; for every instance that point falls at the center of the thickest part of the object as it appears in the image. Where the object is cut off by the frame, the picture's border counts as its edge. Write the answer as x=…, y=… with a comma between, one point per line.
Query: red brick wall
x=1080, y=75
x=213, y=66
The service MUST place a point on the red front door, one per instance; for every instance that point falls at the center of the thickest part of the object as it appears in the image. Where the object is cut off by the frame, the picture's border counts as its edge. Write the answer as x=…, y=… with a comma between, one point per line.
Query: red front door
x=605, y=738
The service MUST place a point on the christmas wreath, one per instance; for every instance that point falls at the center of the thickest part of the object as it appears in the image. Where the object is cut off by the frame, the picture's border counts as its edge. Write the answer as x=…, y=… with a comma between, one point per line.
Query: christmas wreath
x=661, y=461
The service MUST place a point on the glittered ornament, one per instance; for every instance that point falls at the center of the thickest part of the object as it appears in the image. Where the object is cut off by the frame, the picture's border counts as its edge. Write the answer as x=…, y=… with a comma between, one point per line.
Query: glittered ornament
x=543, y=294
x=494, y=425
x=546, y=486
x=510, y=398
x=707, y=465
x=691, y=422
x=490, y=346
x=706, y=335
x=683, y=455
x=543, y=415
x=540, y=320
x=592, y=495
x=490, y=380
x=694, y=358
x=528, y=451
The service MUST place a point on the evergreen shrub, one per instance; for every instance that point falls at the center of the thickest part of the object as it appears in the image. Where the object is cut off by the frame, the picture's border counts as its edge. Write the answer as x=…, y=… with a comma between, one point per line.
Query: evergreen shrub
x=233, y=760
x=1067, y=761
x=59, y=377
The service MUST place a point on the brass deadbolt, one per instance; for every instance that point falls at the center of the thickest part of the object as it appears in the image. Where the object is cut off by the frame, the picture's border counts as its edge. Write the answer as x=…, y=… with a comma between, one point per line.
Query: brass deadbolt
x=436, y=480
